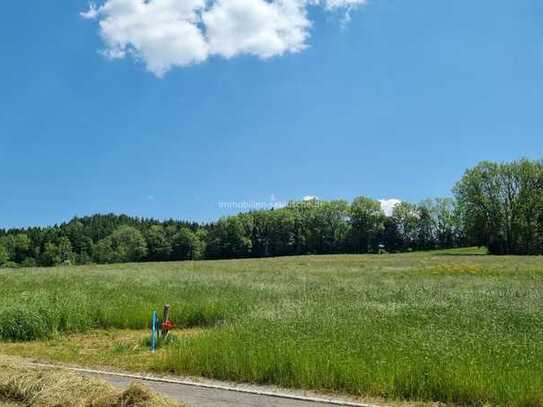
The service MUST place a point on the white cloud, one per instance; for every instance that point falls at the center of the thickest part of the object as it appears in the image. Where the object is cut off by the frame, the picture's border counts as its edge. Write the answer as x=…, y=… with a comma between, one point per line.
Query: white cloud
x=91, y=13
x=163, y=33
x=388, y=205
x=169, y=33
x=309, y=198
x=256, y=27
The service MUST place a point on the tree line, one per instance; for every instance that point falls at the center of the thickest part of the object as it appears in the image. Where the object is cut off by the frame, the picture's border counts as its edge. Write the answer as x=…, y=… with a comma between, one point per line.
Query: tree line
x=309, y=227
x=498, y=205
x=502, y=206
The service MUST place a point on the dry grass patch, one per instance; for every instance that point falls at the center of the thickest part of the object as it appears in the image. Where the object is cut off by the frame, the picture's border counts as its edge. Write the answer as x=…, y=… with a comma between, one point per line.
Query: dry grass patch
x=21, y=385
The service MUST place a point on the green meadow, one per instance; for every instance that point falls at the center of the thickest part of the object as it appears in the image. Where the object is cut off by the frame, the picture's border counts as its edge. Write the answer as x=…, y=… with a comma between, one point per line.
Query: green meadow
x=458, y=326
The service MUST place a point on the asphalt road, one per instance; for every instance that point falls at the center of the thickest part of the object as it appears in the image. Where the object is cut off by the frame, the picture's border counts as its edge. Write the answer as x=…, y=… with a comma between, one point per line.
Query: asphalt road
x=194, y=396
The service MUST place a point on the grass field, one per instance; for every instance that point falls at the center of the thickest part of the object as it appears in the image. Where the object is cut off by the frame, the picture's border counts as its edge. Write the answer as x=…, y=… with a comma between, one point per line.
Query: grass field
x=456, y=326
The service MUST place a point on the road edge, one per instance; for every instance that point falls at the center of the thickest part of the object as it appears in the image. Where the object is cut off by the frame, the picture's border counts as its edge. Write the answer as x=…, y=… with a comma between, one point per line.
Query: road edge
x=186, y=382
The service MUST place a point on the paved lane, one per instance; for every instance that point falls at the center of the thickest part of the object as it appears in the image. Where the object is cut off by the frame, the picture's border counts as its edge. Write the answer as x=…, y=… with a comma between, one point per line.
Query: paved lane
x=209, y=397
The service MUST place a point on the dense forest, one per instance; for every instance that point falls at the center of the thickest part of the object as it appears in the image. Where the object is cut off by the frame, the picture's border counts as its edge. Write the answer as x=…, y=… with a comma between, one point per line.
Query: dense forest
x=495, y=205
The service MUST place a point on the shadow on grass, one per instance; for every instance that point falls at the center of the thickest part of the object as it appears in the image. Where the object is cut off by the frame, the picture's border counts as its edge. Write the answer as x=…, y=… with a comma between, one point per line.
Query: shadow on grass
x=461, y=254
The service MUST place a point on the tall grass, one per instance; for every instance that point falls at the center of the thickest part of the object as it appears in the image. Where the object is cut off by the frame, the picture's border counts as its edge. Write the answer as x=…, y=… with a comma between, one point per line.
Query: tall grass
x=460, y=329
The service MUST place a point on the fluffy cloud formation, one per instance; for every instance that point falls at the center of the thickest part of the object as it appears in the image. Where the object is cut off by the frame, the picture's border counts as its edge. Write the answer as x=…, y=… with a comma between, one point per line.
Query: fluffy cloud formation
x=169, y=33
x=388, y=205
x=255, y=27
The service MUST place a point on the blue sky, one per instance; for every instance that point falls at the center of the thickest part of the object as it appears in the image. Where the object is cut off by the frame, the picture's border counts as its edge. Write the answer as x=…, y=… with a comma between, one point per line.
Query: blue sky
x=395, y=103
